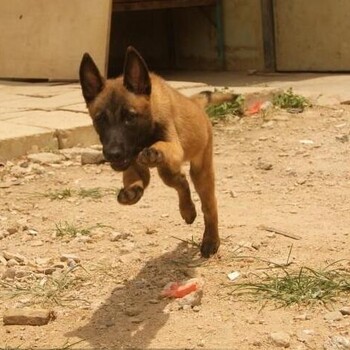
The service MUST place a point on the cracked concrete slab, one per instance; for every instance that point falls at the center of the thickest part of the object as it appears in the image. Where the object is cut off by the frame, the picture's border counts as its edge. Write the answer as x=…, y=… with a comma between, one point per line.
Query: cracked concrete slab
x=52, y=115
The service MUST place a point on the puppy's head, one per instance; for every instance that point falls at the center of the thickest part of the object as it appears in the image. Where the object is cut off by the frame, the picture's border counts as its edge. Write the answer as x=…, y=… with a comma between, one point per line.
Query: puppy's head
x=120, y=108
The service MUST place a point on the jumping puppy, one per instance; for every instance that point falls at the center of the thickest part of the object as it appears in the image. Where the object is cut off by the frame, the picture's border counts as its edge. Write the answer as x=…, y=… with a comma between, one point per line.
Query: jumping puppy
x=143, y=123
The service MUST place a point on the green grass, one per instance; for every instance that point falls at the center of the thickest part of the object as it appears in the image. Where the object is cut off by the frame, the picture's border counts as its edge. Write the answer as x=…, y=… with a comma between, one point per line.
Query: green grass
x=303, y=286
x=94, y=193
x=48, y=290
x=288, y=99
x=226, y=109
x=59, y=194
x=66, y=229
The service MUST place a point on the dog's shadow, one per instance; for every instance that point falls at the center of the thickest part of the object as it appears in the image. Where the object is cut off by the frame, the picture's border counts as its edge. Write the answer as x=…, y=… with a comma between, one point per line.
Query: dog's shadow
x=132, y=316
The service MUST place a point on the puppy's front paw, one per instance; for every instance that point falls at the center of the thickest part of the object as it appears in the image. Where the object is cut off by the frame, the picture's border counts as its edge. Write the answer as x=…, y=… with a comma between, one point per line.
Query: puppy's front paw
x=131, y=195
x=150, y=157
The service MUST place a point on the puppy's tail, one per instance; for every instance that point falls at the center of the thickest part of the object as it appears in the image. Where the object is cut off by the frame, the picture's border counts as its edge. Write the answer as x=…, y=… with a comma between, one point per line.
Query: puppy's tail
x=206, y=98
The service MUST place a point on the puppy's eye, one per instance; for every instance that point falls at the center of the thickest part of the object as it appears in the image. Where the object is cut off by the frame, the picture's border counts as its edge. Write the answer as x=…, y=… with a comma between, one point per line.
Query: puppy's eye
x=130, y=118
x=99, y=117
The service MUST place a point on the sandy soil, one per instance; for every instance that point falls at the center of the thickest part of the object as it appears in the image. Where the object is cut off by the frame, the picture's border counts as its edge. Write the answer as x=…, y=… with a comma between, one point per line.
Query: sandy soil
x=268, y=173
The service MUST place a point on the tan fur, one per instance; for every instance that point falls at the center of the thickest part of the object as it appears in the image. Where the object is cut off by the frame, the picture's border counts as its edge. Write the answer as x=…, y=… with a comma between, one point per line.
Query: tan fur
x=188, y=138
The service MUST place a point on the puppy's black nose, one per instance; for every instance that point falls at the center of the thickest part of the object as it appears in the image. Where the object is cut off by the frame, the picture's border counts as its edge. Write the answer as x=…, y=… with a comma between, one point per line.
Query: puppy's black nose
x=113, y=155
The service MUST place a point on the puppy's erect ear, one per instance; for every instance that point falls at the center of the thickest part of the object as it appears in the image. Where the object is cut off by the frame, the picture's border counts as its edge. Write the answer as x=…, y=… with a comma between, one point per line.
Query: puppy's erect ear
x=136, y=77
x=90, y=78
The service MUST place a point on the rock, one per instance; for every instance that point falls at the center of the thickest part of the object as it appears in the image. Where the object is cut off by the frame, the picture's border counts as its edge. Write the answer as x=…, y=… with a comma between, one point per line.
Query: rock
x=18, y=257
x=18, y=172
x=66, y=257
x=9, y=273
x=136, y=320
x=305, y=335
x=12, y=262
x=127, y=248
x=302, y=317
x=333, y=316
x=37, y=243
x=191, y=300
x=132, y=311
x=2, y=236
x=3, y=261
x=27, y=316
x=45, y=158
x=281, y=339
x=342, y=138
x=345, y=310
x=337, y=342
x=12, y=230
x=264, y=165
x=90, y=156
x=117, y=236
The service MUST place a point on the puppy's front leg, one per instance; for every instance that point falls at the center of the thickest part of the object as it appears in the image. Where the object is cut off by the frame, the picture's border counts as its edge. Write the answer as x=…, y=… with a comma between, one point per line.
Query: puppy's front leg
x=135, y=179
x=168, y=157
x=164, y=154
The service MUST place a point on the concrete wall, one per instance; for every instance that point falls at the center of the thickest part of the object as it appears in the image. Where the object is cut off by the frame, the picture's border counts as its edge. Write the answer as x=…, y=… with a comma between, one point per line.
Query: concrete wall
x=243, y=34
x=193, y=44
x=312, y=35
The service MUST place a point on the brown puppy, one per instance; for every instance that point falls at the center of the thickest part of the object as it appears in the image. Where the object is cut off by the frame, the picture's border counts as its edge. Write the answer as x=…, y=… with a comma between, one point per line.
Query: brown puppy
x=143, y=123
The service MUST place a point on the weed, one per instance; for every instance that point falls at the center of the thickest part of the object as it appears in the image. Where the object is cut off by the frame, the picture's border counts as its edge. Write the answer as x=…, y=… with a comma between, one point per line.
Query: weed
x=288, y=99
x=52, y=289
x=192, y=242
x=59, y=194
x=68, y=229
x=94, y=193
x=232, y=108
x=303, y=286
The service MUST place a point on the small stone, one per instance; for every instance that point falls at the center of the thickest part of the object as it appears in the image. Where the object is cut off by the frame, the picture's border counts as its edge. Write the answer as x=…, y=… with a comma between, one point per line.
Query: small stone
x=345, y=310
x=196, y=308
x=37, y=243
x=3, y=261
x=66, y=257
x=136, y=320
x=264, y=166
x=342, y=138
x=127, y=248
x=110, y=323
x=305, y=335
x=12, y=262
x=306, y=142
x=12, y=230
x=9, y=273
x=18, y=257
x=192, y=299
x=333, y=316
x=26, y=316
x=117, y=236
x=337, y=342
x=132, y=311
x=45, y=158
x=302, y=317
x=281, y=339
x=91, y=156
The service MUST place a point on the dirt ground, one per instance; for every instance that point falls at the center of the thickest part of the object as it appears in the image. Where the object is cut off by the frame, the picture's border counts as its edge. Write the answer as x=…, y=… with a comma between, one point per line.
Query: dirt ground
x=291, y=172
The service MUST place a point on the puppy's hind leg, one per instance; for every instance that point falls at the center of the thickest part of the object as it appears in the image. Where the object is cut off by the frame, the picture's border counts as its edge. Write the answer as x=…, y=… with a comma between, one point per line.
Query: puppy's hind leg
x=136, y=179
x=202, y=174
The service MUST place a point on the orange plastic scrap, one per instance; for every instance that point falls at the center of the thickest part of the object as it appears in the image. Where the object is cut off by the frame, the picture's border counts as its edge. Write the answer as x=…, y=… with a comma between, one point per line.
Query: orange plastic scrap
x=179, y=290
x=254, y=108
